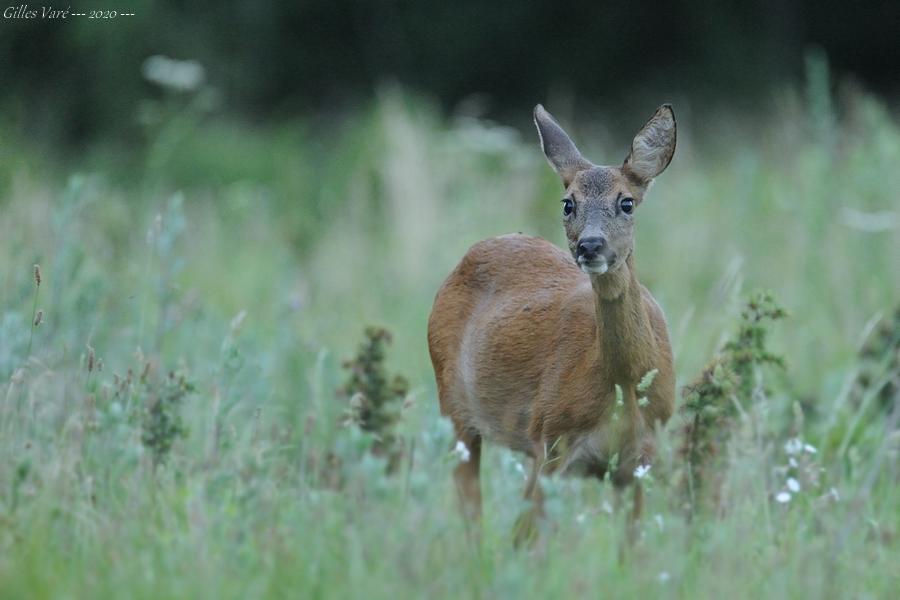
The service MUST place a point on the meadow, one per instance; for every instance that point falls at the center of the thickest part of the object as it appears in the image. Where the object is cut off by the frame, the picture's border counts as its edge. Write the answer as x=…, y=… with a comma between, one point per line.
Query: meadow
x=172, y=427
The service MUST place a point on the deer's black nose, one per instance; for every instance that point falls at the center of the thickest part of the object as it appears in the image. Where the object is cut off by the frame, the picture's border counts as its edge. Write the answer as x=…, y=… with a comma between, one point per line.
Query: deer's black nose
x=588, y=248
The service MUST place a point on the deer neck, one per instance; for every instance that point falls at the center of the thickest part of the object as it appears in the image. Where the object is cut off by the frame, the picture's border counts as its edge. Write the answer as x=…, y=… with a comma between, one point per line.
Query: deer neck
x=625, y=343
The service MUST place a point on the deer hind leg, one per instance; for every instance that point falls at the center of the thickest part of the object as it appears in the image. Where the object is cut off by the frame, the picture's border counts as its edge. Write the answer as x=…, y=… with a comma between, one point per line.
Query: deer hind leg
x=526, y=526
x=632, y=519
x=466, y=475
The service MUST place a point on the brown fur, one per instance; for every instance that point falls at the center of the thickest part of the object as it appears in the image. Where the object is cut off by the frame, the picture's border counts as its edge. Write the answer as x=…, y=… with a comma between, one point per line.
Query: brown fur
x=528, y=349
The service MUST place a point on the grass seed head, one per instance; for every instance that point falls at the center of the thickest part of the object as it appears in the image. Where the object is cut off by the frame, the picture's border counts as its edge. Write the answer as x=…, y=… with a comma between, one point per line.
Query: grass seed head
x=37, y=275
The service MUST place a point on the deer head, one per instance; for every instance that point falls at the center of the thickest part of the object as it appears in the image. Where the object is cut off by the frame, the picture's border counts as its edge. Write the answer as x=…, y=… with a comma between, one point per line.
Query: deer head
x=600, y=202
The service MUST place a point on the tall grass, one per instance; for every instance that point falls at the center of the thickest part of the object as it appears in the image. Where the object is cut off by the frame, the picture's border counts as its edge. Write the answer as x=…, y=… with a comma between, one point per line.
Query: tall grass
x=265, y=493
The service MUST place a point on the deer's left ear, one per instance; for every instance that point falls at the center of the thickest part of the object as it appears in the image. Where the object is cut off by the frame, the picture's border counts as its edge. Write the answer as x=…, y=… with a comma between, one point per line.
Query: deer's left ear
x=652, y=147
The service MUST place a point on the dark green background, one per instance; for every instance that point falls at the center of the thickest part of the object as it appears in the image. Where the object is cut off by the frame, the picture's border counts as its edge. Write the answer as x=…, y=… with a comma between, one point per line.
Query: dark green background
x=272, y=60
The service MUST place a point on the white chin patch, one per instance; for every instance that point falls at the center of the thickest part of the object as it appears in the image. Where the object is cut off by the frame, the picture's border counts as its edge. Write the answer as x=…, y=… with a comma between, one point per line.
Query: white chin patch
x=596, y=268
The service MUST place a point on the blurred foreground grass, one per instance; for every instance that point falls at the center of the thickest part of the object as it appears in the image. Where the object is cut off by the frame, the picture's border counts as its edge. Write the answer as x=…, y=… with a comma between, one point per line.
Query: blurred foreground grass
x=249, y=263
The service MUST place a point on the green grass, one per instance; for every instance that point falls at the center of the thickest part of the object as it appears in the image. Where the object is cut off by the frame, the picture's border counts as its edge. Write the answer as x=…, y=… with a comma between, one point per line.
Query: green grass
x=315, y=232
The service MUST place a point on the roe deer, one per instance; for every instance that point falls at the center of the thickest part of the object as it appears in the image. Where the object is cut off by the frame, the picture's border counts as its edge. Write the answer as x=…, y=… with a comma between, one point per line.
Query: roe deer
x=544, y=354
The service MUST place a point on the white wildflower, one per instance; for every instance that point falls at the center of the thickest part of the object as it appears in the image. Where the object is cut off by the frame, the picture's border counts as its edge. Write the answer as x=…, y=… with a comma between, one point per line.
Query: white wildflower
x=793, y=485
x=783, y=497
x=664, y=576
x=580, y=518
x=792, y=462
x=793, y=446
x=607, y=507
x=641, y=471
x=810, y=449
x=461, y=451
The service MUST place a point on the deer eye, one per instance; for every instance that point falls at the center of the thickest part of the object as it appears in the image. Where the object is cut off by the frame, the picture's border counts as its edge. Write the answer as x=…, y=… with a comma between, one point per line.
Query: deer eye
x=627, y=205
x=568, y=206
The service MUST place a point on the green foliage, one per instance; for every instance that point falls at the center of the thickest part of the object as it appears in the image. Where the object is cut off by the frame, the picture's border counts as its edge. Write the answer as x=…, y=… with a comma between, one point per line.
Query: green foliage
x=35, y=318
x=161, y=423
x=647, y=380
x=145, y=403
x=871, y=396
x=747, y=351
x=711, y=401
x=879, y=364
x=644, y=385
x=265, y=495
x=376, y=400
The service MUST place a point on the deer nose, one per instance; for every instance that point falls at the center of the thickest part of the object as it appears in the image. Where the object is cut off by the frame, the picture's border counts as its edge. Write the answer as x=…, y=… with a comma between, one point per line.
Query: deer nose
x=588, y=248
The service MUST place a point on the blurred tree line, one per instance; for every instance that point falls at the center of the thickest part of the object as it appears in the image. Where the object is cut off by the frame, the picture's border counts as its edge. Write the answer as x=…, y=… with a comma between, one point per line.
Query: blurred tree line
x=81, y=78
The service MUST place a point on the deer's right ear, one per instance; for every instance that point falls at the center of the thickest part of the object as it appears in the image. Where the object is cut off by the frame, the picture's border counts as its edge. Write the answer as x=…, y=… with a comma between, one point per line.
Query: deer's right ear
x=652, y=147
x=559, y=149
